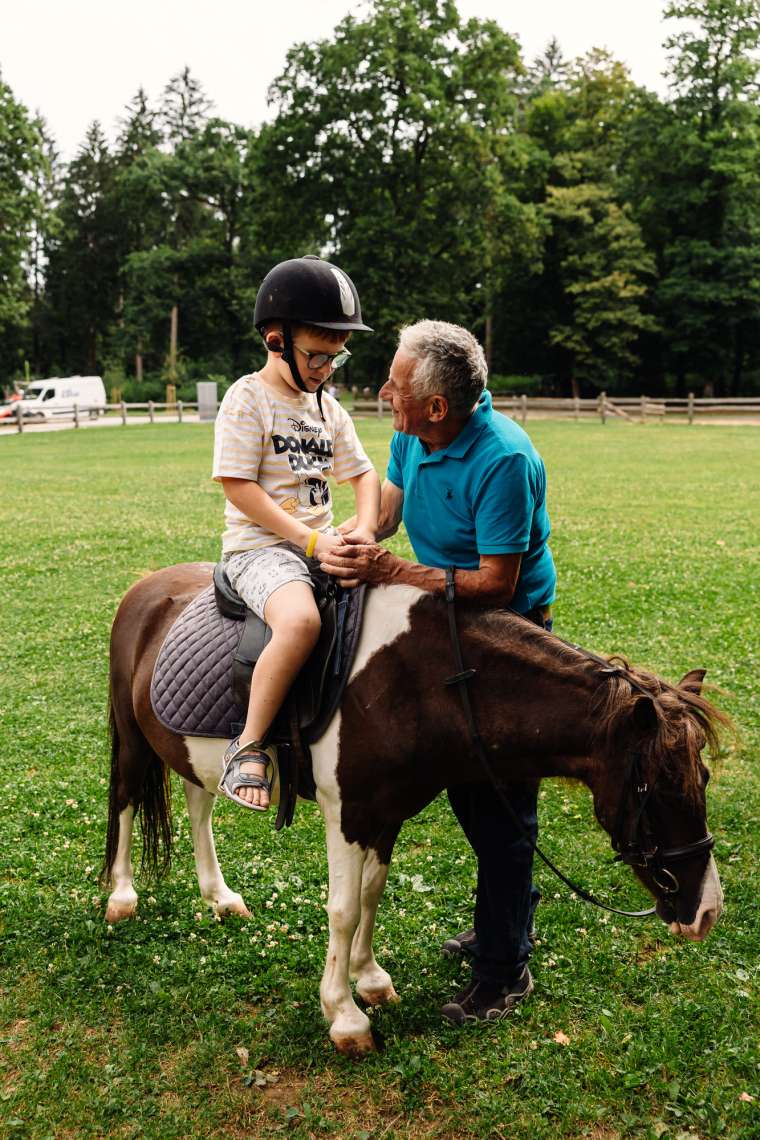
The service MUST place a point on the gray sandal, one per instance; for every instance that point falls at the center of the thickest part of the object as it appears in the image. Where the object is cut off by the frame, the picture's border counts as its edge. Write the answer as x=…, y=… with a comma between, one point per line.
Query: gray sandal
x=232, y=777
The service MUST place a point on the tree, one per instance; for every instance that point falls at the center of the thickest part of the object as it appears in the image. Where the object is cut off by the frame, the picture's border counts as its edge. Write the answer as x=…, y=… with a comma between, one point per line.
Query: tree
x=84, y=257
x=393, y=150
x=22, y=166
x=184, y=108
x=697, y=195
x=602, y=267
x=588, y=311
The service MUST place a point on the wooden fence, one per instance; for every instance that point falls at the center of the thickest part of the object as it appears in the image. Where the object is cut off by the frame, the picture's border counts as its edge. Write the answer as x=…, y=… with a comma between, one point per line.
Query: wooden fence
x=635, y=409
x=632, y=408
x=81, y=412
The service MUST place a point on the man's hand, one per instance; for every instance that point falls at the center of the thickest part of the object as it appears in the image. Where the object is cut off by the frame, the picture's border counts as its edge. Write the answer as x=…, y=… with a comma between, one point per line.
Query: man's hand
x=354, y=563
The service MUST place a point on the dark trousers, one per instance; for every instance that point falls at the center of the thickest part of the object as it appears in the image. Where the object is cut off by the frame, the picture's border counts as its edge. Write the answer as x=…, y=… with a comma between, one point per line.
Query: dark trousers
x=505, y=898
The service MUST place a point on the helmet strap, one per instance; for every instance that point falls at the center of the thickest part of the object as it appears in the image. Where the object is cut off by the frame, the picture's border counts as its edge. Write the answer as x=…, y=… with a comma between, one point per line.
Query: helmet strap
x=288, y=355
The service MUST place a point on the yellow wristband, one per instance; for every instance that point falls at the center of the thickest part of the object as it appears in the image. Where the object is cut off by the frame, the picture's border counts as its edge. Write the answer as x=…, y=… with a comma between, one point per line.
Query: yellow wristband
x=311, y=544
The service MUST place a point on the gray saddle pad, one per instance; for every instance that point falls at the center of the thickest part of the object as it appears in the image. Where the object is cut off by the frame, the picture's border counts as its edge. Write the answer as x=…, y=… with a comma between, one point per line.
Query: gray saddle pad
x=191, y=689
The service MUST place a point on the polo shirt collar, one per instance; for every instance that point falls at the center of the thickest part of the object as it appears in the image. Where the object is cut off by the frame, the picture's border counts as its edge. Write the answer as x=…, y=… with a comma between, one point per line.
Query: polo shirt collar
x=475, y=425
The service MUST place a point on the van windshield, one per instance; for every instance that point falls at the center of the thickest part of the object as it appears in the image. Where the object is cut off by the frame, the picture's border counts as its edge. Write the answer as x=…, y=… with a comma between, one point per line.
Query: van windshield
x=34, y=393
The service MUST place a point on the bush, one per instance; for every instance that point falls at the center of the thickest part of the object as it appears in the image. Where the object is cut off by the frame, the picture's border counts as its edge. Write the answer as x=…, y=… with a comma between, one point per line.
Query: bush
x=515, y=385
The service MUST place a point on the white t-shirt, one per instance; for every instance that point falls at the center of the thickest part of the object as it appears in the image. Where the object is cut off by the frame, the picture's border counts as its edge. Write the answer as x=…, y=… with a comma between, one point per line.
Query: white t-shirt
x=281, y=443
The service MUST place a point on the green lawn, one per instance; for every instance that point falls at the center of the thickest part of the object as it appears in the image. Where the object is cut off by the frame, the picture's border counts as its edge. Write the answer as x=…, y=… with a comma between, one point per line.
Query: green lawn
x=143, y=1030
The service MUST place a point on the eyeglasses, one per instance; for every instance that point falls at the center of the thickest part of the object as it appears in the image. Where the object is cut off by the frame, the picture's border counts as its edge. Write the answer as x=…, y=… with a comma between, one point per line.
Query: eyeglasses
x=317, y=360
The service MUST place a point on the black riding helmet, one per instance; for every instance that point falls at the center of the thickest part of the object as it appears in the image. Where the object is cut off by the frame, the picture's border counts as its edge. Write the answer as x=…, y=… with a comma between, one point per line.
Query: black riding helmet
x=309, y=291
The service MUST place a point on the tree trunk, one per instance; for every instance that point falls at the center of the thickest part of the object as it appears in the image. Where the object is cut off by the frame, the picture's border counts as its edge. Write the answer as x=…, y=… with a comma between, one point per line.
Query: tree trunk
x=575, y=390
x=738, y=360
x=139, y=362
x=489, y=340
x=173, y=345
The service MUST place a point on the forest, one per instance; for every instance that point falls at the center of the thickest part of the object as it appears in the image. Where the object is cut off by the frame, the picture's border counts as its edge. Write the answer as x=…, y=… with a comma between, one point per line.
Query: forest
x=593, y=234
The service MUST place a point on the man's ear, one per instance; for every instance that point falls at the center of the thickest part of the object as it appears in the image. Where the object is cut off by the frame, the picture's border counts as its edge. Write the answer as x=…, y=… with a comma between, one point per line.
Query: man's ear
x=439, y=409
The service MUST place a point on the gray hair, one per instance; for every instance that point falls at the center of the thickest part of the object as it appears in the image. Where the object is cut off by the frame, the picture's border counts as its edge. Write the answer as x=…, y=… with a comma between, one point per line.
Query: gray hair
x=450, y=363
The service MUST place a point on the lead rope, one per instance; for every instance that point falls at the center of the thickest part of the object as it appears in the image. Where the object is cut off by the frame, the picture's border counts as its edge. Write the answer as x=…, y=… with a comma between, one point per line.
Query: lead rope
x=460, y=679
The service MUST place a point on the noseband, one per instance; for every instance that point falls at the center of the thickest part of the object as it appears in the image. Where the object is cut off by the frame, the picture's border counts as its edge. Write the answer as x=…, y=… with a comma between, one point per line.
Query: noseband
x=639, y=850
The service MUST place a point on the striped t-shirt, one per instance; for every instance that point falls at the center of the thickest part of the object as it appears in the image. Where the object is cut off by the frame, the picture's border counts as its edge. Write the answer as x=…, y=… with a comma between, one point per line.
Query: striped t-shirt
x=282, y=444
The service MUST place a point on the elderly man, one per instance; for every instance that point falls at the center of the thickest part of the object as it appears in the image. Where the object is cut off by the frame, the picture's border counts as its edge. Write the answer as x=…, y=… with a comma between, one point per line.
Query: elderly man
x=471, y=490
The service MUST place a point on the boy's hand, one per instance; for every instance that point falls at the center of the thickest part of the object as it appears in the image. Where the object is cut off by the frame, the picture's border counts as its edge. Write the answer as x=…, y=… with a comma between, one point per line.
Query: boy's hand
x=328, y=544
x=359, y=536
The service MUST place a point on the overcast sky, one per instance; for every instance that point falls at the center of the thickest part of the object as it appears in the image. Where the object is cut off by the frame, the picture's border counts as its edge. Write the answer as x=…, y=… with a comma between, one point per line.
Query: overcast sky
x=79, y=60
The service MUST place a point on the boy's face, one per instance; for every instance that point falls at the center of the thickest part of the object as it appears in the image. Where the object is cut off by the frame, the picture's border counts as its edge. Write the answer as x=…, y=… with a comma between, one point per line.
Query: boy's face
x=308, y=343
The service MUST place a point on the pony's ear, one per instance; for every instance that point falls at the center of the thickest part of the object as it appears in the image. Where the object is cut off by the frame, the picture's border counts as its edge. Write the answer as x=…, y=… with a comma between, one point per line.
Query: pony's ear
x=644, y=714
x=692, y=681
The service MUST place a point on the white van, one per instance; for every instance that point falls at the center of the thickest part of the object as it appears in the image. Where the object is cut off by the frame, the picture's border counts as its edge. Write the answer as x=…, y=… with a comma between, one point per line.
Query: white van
x=46, y=399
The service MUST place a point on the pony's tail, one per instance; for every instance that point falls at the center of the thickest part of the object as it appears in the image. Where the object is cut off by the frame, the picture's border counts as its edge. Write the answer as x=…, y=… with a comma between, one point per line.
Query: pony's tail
x=147, y=786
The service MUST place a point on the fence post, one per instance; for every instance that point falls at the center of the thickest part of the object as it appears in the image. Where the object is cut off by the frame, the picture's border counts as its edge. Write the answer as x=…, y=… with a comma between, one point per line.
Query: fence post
x=691, y=408
x=179, y=411
x=19, y=416
x=577, y=407
x=643, y=408
x=524, y=408
x=123, y=413
x=602, y=403
x=76, y=413
x=150, y=411
x=380, y=408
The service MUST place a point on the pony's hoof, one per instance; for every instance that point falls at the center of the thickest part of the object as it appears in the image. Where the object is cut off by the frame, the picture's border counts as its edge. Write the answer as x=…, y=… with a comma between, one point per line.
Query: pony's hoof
x=386, y=995
x=118, y=911
x=353, y=1045
x=232, y=906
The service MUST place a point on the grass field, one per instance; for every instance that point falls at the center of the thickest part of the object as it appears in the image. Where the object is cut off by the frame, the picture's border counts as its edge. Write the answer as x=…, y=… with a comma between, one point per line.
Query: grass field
x=177, y=1025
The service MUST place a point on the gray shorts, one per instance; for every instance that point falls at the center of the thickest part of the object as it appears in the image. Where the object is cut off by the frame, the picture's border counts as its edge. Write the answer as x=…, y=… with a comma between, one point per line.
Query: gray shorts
x=256, y=574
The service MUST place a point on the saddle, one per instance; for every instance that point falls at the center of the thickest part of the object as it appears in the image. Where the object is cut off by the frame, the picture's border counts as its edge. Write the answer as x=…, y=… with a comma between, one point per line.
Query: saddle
x=202, y=676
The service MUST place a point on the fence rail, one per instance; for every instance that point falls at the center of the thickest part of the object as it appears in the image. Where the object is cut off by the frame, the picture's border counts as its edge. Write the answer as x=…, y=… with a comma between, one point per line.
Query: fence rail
x=80, y=412
x=632, y=408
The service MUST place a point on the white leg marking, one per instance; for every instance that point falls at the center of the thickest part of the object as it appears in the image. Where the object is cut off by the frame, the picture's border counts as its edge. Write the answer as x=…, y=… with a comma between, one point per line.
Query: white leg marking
x=122, y=902
x=710, y=907
x=373, y=984
x=214, y=890
x=349, y=1027
x=386, y=617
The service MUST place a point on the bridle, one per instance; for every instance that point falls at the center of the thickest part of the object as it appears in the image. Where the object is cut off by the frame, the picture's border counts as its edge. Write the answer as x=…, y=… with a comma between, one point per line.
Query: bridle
x=639, y=850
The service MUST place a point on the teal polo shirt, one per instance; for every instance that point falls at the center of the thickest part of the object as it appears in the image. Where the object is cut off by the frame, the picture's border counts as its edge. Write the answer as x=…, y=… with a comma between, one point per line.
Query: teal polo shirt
x=483, y=494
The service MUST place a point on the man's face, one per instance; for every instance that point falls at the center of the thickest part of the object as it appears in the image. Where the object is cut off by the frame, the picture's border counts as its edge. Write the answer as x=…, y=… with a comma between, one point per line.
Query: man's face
x=409, y=414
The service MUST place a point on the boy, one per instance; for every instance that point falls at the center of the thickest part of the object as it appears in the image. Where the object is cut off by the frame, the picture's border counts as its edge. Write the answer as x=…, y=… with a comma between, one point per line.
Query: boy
x=277, y=437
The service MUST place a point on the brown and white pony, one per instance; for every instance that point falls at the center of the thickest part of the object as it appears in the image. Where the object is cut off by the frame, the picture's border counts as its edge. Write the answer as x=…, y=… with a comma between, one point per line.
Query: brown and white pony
x=398, y=739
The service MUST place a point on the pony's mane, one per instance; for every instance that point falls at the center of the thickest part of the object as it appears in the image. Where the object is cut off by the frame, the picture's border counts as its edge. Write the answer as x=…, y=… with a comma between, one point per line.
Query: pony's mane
x=683, y=716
